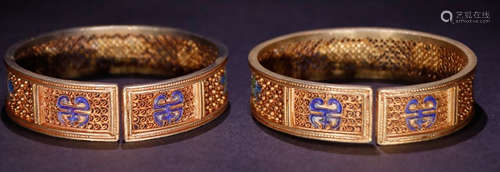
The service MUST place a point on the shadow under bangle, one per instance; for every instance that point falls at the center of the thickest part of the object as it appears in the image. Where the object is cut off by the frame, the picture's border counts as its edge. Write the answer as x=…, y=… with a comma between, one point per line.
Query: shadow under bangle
x=294, y=91
x=43, y=95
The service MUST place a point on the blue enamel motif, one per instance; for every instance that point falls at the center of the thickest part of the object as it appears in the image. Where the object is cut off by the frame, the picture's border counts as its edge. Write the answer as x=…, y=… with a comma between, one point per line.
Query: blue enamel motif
x=75, y=113
x=325, y=116
x=256, y=88
x=10, y=86
x=419, y=118
x=166, y=109
x=224, y=82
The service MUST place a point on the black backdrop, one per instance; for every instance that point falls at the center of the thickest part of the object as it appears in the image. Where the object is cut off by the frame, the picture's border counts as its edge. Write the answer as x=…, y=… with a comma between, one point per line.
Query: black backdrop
x=236, y=142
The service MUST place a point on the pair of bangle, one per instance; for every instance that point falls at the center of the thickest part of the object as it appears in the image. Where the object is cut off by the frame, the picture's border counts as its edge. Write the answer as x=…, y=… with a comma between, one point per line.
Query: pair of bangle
x=292, y=84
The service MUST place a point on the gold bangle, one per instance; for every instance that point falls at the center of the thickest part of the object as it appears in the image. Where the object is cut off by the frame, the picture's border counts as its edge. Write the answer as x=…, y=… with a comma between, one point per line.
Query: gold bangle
x=294, y=90
x=43, y=98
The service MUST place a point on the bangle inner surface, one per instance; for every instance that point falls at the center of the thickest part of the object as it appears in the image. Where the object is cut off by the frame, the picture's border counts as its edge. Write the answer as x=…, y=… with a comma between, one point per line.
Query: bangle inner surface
x=80, y=57
x=402, y=58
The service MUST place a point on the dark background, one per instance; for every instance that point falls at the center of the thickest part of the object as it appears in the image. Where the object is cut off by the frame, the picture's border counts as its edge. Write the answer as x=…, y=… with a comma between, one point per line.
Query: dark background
x=236, y=142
